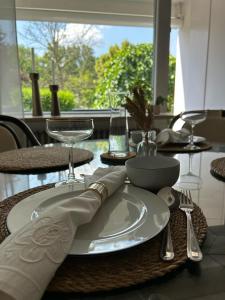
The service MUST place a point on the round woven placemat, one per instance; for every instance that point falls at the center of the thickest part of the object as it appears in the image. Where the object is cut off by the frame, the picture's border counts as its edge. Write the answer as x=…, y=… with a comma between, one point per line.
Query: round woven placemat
x=218, y=168
x=103, y=272
x=41, y=159
x=116, y=160
x=178, y=148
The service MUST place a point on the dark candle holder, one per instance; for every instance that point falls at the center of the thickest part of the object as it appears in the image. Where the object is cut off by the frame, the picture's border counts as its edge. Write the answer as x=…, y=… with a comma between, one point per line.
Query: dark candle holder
x=36, y=102
x=55, y=109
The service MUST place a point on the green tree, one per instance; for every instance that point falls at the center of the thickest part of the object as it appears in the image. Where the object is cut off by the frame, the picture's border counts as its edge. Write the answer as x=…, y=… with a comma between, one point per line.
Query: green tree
x=124, y=67
x=76, y=71
x=84, y=89
x=66, y=53
x=80, y=66
x=172, y=70
x=25, y=64
x=73, y=62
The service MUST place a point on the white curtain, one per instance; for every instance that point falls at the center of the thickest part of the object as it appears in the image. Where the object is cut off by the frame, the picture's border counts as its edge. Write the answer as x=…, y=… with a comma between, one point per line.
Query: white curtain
x=10, y=90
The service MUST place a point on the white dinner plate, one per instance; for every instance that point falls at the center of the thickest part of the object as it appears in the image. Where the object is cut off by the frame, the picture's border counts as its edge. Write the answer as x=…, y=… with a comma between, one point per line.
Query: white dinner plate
x=130, y=217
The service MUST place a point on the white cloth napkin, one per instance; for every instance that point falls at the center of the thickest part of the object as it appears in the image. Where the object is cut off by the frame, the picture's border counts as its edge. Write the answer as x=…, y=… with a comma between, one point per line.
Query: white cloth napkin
x=167, y=136
x=30, y=257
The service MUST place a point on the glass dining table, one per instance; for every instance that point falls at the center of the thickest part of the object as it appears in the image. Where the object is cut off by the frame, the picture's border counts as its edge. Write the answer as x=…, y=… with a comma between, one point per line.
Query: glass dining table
x=201, y=280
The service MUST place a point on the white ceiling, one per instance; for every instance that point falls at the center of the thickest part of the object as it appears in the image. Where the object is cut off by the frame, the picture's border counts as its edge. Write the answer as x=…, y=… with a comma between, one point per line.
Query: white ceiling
x=119, y=12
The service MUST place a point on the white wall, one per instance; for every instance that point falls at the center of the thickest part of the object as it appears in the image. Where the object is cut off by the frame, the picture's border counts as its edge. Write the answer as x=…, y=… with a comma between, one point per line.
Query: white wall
x=200, y=74
x=215, y=84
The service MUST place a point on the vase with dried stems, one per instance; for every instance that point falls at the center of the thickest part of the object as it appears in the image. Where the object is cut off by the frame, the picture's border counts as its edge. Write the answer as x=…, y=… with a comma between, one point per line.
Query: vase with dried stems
x=142, y=111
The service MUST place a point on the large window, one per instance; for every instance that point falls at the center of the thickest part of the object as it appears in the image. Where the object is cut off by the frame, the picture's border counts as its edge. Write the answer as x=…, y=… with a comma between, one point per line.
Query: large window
x=87, y=61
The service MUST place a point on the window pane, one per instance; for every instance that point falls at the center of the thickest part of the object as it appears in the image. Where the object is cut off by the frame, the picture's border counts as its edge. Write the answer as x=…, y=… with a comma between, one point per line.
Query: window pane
x=88, y=61
x=172, y=68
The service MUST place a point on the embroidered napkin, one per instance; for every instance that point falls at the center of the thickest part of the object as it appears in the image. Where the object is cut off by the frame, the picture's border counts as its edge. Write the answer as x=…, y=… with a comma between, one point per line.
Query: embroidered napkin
x=30, y=257
x=167, y=136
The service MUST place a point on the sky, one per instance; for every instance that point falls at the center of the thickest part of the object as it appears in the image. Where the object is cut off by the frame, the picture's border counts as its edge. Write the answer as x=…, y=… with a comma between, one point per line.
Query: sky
x=116, y=34
x=106, y=36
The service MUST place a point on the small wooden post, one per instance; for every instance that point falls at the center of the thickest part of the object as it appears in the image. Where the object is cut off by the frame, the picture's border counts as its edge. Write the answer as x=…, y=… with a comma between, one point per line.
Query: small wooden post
x=55, y=109
x=36, y=102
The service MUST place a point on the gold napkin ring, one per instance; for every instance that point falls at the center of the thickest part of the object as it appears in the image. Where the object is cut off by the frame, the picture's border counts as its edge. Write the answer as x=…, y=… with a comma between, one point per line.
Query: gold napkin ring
x=100, y=188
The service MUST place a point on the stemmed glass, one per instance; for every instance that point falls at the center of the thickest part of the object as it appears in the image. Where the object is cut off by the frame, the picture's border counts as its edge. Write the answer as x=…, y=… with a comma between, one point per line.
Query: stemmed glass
x=192, y=119
x=70, y=132
x=189, y=180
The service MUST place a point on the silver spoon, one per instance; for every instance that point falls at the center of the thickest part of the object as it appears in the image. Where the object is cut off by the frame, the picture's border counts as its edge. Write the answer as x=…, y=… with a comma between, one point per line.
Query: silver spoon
x=167, y=252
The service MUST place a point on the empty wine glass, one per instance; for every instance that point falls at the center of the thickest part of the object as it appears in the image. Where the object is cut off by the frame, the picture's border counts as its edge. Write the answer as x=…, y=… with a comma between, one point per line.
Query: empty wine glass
x=69, y=132
x=190, y=180
x=192, y=119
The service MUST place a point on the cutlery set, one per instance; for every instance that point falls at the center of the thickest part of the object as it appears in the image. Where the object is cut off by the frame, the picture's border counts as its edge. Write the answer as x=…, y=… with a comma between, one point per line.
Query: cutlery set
x=186, y=205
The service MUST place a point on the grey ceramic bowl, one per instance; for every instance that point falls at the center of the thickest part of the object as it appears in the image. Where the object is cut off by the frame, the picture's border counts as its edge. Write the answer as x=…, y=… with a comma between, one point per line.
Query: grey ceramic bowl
x=153, y=172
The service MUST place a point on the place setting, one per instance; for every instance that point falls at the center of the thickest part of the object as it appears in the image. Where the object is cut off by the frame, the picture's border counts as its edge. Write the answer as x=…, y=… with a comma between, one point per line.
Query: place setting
x=124, y=144
x=171, y=141
x=104, y=229
x=118, y=227
x=184, y=140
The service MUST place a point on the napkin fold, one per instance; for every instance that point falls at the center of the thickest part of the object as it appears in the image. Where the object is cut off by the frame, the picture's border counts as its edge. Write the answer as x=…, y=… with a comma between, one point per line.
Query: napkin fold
x=30, y=257
x=167, y=136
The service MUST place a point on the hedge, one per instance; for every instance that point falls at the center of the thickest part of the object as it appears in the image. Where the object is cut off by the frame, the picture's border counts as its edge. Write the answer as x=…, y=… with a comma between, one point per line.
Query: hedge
x=66, y=99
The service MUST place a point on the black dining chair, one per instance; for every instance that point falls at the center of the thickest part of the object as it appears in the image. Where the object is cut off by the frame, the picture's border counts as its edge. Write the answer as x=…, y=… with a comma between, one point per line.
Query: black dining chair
x=11, y=131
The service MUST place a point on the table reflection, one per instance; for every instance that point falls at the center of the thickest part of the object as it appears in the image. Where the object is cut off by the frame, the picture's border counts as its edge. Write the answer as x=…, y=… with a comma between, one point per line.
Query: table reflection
x=189, y=179
x=210, y=194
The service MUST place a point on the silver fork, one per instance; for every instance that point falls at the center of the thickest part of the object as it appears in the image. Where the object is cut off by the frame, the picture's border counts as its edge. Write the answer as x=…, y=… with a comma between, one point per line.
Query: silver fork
x=193, y=249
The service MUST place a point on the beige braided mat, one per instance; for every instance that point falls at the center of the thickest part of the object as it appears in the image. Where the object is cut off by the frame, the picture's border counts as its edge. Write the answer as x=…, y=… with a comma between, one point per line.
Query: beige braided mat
x=41, y=159
x=218, y=168
x=104, y=272
x=178, y=148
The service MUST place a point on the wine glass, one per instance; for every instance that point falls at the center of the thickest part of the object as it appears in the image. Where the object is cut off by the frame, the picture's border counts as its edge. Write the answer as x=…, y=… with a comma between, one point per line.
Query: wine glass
x=192, y=119
x=70, y=132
